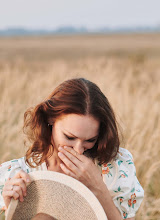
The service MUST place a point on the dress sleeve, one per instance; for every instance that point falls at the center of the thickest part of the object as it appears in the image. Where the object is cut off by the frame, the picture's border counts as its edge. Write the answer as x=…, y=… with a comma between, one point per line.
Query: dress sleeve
x=124, y=187
x=8, y=170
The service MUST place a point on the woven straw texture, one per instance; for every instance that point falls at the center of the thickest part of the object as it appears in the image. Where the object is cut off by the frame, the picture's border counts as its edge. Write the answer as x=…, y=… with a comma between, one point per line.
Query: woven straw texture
x=58, y=200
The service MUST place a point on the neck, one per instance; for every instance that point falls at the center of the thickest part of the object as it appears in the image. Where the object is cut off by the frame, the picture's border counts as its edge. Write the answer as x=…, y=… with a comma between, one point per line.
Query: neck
x=53, y=162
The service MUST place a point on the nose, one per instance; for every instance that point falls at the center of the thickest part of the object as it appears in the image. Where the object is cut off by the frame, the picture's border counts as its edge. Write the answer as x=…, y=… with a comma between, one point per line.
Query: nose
x=79, y=148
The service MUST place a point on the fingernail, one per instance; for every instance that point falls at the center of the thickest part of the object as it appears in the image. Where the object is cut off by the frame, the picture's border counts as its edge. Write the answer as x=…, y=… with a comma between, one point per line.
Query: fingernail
x=60, y=148
x=65, y=147
x=60, y=154
x=28, y=180
x=61, y=164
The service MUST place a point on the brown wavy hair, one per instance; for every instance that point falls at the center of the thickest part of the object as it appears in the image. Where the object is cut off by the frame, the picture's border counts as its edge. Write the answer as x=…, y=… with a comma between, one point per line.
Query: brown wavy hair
x=79, y=96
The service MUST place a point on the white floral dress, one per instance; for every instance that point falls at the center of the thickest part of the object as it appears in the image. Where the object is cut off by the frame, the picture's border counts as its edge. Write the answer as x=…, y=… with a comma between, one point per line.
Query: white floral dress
x=119, y=175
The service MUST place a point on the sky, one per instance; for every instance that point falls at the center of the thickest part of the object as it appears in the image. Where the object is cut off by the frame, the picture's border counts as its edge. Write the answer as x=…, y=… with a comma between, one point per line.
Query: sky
x=92, y=14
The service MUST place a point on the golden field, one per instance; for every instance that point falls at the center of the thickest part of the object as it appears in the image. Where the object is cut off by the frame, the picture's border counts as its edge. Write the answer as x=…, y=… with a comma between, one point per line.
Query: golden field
x=125, y=67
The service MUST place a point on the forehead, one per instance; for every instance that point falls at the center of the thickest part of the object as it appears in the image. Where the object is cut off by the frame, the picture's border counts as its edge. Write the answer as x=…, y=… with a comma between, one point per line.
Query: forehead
x=84, y=126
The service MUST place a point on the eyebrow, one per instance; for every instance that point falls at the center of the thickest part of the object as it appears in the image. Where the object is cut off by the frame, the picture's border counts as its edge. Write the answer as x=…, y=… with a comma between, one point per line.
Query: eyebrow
x=77, y=137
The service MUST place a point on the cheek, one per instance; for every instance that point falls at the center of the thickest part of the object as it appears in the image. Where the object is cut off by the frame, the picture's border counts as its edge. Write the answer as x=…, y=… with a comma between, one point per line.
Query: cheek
x=60, y=140
x=89, y=146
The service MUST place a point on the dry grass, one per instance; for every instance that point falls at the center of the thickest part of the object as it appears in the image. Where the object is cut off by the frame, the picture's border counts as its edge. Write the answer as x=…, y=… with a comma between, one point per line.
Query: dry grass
x=126, y=68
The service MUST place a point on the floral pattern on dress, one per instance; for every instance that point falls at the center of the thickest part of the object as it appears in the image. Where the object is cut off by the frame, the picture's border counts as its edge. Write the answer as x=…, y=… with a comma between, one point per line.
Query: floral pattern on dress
x=106, y=169
x=125, y=215
x=9, y=167
x=132, y=201
x=129, y=161
x=120, y=199
x=119, y=176
x=12, y=161
x=118, y=190
x=1, y=188
x=124, y=184
x=123, y=175
x=119, y=162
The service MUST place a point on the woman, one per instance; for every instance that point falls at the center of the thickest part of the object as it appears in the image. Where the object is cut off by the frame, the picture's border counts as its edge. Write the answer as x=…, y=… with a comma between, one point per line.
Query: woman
x=74, y=132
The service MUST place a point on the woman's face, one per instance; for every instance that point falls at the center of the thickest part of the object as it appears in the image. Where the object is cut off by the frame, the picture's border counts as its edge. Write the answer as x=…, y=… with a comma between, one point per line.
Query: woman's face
x=77, y=131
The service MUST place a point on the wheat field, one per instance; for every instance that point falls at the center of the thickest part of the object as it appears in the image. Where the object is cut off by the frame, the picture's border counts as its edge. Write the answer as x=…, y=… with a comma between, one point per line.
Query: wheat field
x=125, y=67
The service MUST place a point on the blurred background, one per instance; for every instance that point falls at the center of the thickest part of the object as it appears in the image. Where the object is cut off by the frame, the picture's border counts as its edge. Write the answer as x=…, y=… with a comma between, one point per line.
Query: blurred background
x=115, y=44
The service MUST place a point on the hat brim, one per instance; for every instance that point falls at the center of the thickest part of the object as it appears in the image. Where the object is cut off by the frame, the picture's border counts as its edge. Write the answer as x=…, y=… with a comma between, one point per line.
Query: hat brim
x=58, y=195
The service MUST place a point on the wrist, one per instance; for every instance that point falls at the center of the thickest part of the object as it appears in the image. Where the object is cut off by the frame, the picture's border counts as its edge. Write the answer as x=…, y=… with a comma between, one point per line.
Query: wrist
x=100, y=190
x=103, y=195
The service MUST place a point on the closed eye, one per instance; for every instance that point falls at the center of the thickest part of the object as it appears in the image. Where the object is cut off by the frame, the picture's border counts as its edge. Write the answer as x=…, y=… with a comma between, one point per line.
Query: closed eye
x=91, y=140
x=72, y=138
x=69, y=138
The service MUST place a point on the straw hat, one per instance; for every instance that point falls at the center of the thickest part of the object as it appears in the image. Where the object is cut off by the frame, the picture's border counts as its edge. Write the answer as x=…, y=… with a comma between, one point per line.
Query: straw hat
x=56, y=196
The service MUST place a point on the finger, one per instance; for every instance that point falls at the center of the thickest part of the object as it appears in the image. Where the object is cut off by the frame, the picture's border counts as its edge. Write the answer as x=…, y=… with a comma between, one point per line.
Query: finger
x=12, y=189
x=10, y=193
x=17, y=182
x=8, y=187
x=21, y=174
x=67, y=171
x=81, y=157
x=67, y=162
x=18, y=190
x=72, y=158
